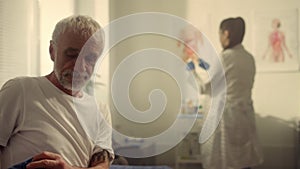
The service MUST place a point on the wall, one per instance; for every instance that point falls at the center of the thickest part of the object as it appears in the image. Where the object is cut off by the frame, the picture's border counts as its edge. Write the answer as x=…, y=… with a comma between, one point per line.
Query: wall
x=145, y=81
x=148, y=80
x=276, y=95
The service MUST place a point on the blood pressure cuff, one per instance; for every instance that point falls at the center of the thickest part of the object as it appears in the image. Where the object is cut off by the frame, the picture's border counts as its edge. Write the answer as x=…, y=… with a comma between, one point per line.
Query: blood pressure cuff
x=21, y=165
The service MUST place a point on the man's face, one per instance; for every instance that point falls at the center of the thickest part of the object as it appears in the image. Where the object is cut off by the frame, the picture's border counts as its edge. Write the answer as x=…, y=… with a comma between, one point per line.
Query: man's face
x=73, y=60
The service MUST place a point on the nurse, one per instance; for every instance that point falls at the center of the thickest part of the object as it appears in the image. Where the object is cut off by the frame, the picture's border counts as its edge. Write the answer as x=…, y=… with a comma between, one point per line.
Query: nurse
x=234, y=143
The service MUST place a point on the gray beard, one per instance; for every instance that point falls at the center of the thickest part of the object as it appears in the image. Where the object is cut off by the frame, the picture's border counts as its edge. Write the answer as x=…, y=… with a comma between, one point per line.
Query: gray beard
x=74, y=85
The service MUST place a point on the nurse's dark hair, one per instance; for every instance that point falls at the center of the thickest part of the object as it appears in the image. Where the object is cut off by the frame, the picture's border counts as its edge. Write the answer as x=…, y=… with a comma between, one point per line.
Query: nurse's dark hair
x=235, y=28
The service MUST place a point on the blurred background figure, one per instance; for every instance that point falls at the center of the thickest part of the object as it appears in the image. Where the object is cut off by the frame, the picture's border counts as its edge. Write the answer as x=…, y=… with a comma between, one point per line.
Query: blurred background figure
x=234, y=143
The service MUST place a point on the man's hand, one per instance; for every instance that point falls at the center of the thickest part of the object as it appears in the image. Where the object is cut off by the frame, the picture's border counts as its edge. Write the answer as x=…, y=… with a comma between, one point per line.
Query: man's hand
x=48, y=160
x=45, y=160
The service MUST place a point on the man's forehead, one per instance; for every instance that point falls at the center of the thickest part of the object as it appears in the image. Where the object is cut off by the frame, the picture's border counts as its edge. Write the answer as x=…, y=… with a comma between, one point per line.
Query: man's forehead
x=82, y=35
x=92, y=47
x=70, y=39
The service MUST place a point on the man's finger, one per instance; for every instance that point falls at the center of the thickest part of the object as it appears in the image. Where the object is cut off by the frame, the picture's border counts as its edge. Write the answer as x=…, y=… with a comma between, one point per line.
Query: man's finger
x=46, y=155
x=42, y=164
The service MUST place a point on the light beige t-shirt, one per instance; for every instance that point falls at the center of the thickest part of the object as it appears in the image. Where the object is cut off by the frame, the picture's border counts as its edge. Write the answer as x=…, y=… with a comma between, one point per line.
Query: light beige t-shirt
x=36, y=116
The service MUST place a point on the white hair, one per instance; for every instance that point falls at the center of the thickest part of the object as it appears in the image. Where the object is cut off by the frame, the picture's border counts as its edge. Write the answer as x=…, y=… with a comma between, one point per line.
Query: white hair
x=79, y=24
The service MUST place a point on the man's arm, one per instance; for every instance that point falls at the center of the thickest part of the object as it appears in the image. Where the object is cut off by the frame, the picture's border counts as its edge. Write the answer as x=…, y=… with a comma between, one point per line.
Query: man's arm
x=11, y=110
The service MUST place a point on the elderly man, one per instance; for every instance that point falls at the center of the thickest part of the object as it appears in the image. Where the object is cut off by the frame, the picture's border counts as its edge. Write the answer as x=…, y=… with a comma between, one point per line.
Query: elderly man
x=50, y=120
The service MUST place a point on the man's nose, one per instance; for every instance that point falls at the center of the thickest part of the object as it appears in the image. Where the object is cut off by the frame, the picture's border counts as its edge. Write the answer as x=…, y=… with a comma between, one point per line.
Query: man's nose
x=81, y=64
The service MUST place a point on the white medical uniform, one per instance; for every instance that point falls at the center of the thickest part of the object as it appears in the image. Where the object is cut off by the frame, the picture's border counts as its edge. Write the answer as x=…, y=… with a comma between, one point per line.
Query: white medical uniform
x=234, y=144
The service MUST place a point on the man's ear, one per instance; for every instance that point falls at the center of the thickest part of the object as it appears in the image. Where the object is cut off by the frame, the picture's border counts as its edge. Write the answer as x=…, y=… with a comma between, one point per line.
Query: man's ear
x=52, y=50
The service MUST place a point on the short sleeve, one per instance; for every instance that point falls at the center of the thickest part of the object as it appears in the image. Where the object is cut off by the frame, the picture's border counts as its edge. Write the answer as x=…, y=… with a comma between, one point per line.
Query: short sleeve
x=11, y=106
x=104, y=138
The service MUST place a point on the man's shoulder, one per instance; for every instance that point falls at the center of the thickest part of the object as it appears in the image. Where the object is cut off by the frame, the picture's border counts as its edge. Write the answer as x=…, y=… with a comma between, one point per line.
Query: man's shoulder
x=21, y=82
x=25, y=79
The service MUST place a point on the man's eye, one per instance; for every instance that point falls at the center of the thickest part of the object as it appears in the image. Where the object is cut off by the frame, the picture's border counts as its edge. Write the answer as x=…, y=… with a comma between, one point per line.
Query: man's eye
x=91, y=59
x=71, y=52
x=72, y=55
